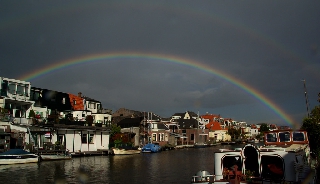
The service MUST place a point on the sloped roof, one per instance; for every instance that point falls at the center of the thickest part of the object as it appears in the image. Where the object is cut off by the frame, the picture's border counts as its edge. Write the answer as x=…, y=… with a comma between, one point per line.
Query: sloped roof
x=178, y=114
x=214, y=125
x=187, y=123
x=192, y=114
x=130, y=122
x=162, y=126
x=90, y=99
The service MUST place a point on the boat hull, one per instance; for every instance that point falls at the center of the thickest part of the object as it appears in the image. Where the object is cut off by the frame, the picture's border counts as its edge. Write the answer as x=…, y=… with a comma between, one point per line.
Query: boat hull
x=200, y=146
x=17, y=159
x=18, y=156
x=151, y=148
x=278, y=163
x=125, y=152
x=55, y=157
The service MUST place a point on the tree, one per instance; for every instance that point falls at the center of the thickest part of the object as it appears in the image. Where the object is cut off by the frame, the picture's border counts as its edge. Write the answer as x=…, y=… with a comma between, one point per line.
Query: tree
x=312, y=126
x=234, y=133
x=264, y=128
x=115, y=129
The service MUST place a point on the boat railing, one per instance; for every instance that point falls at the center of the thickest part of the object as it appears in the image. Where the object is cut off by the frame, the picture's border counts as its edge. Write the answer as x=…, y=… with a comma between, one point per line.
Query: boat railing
x=208, y=178
x=272, y=149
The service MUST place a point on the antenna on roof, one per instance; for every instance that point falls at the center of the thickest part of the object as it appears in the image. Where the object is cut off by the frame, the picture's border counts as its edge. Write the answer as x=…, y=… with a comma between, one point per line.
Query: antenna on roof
x=306, y=95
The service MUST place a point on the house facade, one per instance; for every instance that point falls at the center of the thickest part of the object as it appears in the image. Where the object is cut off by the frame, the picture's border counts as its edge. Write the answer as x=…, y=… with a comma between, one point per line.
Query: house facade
x=44, y=118
x=216, y=127
x=15, y=100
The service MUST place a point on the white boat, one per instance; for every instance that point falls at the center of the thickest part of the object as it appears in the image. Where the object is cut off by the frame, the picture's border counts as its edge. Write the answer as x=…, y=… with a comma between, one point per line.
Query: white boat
x=47, y=157
x=122, y=151
x=17, y=156
x=285, y=158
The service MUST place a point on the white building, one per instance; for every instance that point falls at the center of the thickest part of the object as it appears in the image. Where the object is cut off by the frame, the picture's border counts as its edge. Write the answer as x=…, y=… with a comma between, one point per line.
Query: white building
x=15, y=97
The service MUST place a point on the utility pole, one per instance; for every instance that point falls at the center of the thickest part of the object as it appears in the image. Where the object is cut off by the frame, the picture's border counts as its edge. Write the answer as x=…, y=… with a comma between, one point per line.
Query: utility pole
x=306, y=96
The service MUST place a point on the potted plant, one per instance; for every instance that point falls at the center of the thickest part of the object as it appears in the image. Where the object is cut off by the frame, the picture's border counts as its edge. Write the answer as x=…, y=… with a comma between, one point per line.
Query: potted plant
x=248, y=176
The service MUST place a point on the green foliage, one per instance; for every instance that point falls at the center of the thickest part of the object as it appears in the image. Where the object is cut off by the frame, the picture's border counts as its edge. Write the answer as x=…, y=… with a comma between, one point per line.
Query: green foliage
x=315, y=114
x=114, y=130
x=259, y=136
x=248, y=175
x=264, y=128
x=312, y=126
x=234, y=133
x=32, y=114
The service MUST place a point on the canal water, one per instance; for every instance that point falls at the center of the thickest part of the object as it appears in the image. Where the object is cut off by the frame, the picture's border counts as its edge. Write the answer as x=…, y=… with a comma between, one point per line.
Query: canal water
x=175, y=166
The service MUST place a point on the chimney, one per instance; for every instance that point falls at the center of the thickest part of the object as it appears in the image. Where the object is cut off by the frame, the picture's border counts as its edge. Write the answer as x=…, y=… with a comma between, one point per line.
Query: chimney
x=79, y=94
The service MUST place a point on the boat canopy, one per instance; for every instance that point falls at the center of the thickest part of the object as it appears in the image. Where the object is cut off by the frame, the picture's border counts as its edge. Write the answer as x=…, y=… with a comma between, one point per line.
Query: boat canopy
x=15, y=152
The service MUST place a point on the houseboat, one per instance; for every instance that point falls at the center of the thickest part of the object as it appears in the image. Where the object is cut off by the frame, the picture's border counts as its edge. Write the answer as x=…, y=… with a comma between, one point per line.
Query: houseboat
x=285, y=158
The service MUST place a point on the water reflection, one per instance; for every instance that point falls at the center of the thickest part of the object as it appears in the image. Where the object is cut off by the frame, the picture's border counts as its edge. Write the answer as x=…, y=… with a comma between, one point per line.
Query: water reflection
x=177, y=166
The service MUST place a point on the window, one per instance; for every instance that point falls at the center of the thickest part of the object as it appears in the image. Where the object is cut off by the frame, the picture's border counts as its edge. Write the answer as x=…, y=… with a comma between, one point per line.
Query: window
x=154, y=137
x=162, y=137
x=192, y=137
x=84, y=138
x=284, y=136
x=20, y=90
x=26, y=90
x=298, y=136
x=12, y=88
x=229, y=161
x=271, y=137
x=91, y=138
x=63, y=100
x=74, y=102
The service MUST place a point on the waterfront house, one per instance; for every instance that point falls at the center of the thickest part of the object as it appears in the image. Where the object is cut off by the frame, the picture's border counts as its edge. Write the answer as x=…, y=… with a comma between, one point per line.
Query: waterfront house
x=101, y=116
x=188, y=128
x=217, y=132
x=153, y=130
x=132, y=127
x=15, y=100
x=42, y=118
x=188, y=132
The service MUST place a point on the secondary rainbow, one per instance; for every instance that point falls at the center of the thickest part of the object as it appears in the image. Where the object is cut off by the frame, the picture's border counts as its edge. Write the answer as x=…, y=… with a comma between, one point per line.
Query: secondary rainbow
x=165, y=58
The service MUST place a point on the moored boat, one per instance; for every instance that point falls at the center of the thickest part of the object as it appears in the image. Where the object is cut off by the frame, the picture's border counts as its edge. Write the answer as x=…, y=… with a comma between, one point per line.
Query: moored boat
x=228, y=143
x=200, y=145
x=123, y=151
x=151, y=148
x=17, y=156
x=285, y=158
x=47, y=157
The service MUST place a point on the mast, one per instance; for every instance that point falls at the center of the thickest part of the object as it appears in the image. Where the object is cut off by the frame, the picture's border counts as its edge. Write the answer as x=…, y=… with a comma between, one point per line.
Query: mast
x=306, y=96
